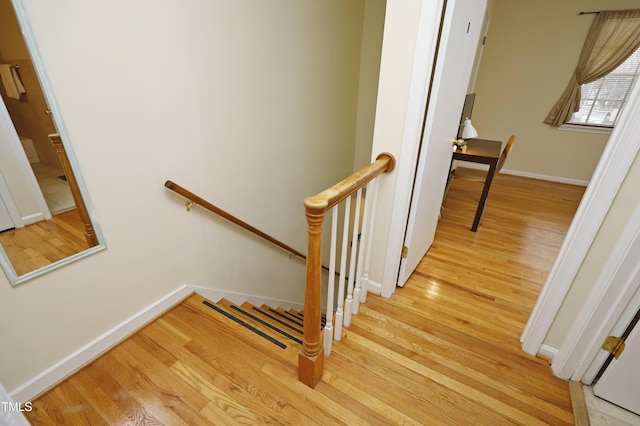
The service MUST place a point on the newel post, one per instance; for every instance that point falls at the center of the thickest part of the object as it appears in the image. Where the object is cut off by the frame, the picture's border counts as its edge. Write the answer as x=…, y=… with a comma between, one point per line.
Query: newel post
x=311, y=355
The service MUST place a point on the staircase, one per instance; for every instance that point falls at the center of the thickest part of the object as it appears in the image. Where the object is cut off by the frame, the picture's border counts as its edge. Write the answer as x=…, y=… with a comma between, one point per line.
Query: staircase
x=282, y=328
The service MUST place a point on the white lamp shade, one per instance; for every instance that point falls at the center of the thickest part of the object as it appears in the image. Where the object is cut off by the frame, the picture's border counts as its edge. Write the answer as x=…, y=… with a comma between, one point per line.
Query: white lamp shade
x=469, y=132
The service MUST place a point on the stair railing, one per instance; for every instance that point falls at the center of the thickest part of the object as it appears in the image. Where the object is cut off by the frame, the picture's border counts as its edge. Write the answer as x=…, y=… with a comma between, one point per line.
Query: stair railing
x=193, y=199
x=356, y=244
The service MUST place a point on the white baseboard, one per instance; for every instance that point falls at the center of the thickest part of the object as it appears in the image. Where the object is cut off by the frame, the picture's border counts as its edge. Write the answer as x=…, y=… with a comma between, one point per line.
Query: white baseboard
x=33, y=218
x=108, y=340
x=547, y=352
x=239, y=298
x=557, y=179
x=538, y=176
x=97, y=347
x=374, y=287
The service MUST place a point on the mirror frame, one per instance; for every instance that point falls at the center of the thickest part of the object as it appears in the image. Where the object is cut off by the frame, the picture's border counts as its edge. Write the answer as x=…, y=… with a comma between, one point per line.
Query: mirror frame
x=47, y=91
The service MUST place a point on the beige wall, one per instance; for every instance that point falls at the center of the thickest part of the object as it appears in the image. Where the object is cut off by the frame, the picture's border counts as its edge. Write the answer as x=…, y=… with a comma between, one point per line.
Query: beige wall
x=250, y=104
x=369, y=75
x=531, y=50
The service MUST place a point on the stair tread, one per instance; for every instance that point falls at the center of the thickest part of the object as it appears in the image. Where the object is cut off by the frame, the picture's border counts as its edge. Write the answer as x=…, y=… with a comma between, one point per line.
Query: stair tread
x=196, y=302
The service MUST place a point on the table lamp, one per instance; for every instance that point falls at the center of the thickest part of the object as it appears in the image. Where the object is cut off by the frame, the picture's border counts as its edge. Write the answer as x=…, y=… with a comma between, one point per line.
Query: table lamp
x=469, y=132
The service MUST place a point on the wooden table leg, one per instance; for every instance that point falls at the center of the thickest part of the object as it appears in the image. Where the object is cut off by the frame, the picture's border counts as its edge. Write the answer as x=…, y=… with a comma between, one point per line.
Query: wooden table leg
x=483, y=197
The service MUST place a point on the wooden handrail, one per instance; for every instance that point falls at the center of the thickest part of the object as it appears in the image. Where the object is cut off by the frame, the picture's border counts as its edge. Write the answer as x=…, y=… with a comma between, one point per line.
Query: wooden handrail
x=214, y=209
x=311, y=355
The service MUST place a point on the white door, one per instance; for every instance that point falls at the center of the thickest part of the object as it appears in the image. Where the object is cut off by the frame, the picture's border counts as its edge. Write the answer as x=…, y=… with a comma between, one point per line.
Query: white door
x=461, y=30
x=620, y=382
x=5, y=219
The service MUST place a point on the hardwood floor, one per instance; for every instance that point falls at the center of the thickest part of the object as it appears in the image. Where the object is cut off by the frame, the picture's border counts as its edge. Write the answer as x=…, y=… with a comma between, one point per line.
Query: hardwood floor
x=45, y=242
x=443, y=350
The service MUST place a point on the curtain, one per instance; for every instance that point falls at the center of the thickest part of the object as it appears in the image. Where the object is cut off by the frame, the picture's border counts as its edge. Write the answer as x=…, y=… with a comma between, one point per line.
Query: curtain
x=614, y=35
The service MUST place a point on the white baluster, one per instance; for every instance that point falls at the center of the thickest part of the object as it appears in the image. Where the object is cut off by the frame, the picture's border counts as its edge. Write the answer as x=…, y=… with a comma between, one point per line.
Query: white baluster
x=328, y=328
x=352, y=263
x=343, y=266
x=362, y=242
x=372, y=219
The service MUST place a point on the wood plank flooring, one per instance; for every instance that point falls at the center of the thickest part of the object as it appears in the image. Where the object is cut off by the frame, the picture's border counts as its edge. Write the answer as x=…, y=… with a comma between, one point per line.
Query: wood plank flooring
x=443, y=350
x=44, y=243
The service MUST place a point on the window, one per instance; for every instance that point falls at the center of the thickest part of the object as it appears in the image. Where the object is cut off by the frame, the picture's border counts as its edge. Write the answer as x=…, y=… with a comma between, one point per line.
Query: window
x=603, y=100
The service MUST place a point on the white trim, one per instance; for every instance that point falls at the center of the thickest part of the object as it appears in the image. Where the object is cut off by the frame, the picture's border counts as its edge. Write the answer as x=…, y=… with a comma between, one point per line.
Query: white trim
x=78, y=359
x=33, y=218
x=375, y=288
x=428, y=27
x=580, y=128
x=609, y=175
x=557, y=179
x=618, y=281
x=239, y=298
x=547, y=352
x=529, y=175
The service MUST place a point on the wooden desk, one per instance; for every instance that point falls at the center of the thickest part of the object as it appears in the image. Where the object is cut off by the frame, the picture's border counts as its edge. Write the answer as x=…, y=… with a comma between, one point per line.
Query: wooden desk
x=485, y=152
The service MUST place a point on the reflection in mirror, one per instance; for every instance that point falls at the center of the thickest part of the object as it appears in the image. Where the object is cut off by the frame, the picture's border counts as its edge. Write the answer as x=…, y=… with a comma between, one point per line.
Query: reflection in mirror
x=46, y=220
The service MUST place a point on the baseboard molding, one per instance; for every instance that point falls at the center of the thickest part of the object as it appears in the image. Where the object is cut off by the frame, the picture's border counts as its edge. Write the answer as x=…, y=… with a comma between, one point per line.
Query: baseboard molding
x=374, y=287
x=239, y=298
x=537, y=176
x=547, y=352
x=33, y=218
x=97, y=347
x=83, y=356
x=557, y=179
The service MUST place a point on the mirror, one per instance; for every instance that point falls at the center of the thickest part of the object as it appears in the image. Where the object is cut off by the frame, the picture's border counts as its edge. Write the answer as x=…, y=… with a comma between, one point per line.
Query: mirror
x=46, y=218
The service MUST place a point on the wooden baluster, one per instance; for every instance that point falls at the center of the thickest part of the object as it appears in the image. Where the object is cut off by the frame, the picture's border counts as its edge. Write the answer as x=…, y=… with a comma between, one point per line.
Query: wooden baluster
x=311, y=355
x=89, y=232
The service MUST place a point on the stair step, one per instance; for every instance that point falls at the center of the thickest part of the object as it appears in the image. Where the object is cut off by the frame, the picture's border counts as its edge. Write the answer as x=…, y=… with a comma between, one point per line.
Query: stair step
x=245, y=324
x=283, y=316
x=277, y=320
x=255, y=318
x=221, y=312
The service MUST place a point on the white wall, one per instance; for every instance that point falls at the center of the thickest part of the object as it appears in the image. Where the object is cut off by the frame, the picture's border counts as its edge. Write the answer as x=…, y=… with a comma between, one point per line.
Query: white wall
x=531, y=51
x=250, y=104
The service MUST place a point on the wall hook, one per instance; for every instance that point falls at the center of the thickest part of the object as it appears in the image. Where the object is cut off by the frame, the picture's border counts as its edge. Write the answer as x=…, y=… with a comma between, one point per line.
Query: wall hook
x=188, y=204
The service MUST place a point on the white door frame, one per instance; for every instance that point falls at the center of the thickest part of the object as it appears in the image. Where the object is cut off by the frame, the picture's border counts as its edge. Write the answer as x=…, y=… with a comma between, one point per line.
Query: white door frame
x=580, y=357
x=610, y=173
